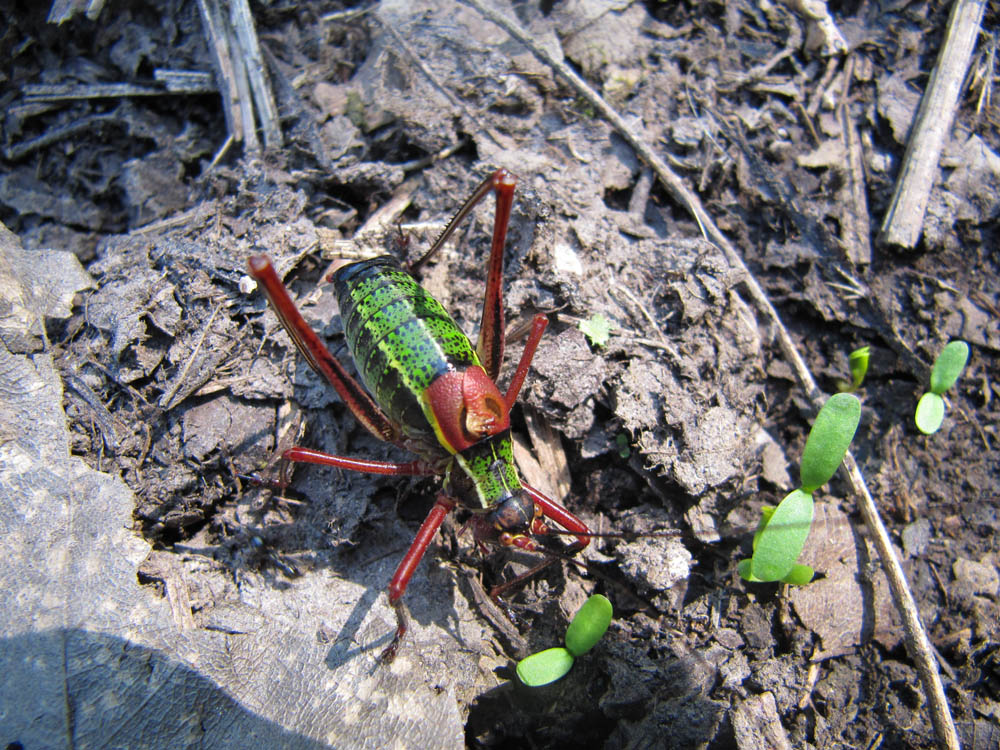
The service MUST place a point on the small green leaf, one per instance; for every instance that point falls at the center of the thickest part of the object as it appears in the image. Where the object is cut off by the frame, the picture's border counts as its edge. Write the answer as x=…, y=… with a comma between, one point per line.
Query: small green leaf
x=355, y=110
x=745, y=569
x=930, y=413
x=781, y=541
x=589, y=625
x=829, y=439
x=597, y=328
x=948, y=366
x=766, y=511
x=545, y=666
x=858, y=362
x=621, y=440
x=800, y=575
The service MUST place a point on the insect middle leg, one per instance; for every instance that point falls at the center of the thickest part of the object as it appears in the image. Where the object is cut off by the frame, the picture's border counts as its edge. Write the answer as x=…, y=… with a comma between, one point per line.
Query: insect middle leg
x=407, y=566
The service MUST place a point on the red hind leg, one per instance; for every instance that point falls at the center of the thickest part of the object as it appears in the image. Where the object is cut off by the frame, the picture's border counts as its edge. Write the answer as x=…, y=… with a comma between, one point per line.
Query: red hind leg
x=364, y=408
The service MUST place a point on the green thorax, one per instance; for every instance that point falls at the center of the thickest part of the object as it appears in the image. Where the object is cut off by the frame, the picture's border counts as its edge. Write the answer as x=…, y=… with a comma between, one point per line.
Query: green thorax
x=484, y=474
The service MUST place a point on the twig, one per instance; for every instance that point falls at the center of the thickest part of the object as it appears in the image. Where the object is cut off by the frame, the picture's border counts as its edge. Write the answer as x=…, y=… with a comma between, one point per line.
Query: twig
x=244, y=98
x=260, y=86
x=185, y=81
x=221, y=153
x=640, y=196
x=174, y=82
x=856, y=231
x=916, y=639
x=165, y=400
x=661, y=340
x=105, y=421
x=219, y=45
x=63, y=132
x=904, y=221
x=403, y=45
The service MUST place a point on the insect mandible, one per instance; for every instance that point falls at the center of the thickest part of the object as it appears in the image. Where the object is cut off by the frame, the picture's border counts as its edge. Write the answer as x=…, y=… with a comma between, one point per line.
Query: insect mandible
x=430, y=392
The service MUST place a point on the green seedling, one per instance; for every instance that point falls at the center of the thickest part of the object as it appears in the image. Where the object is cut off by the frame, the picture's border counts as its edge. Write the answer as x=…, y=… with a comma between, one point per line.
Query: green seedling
x=621, y=441
x=829, y=439
x=590, y=623
x=545, y=667
x=857, y=361
x=782, y=531
x=597, y=328
x=946, y=371
x=583, y=633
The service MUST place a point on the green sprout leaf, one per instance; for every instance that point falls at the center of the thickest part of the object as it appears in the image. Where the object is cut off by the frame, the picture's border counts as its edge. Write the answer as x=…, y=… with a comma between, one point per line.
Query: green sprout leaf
x=545, y=666
x=829, y=439
x=597, y=328
x=780, y=542
x=766, y=511
x=858, y=362
x=948, y=366
x=621, y=441
x=800, y=575
x=589, y=625
x=930, y=413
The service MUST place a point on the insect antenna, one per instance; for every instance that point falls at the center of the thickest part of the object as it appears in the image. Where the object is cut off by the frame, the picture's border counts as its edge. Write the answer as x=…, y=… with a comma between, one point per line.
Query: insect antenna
x=485, y=187
x=671, y=534
x=551, y=555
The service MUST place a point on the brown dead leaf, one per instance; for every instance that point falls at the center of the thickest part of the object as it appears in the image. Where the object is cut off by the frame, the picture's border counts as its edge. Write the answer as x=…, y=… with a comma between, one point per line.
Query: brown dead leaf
x=842, y=608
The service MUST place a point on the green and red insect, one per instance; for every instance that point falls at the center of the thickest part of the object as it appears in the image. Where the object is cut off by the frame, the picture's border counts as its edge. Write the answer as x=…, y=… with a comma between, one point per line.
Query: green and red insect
x=429, y=391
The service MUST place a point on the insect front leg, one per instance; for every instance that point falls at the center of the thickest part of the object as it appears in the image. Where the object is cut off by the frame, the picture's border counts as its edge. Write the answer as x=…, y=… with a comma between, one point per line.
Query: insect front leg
x=538, y=325
x=544, y=508
x=407, y=566
x=553, y=510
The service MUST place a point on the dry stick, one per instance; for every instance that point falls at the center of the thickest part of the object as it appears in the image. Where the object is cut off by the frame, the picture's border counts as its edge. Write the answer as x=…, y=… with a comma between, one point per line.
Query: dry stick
x=263, y=97
x=856, y=220
x=167, y=398
x=916, y=639
x=904, y=220
x=440, y=87
x=173, y=82
x=63, y=132
x=217, y=42
x=244, y=98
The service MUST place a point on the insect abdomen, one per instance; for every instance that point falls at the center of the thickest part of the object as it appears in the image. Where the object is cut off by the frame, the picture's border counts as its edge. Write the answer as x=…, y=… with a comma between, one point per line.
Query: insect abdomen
x=401, y=338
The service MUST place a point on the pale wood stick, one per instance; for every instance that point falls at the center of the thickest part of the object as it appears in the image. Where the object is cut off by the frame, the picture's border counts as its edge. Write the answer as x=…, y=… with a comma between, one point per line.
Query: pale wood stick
x=904, y=221
x=260, y=85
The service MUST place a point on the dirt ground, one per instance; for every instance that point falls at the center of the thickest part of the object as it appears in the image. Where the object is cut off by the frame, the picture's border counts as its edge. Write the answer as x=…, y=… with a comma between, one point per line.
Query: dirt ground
x=268, y=606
